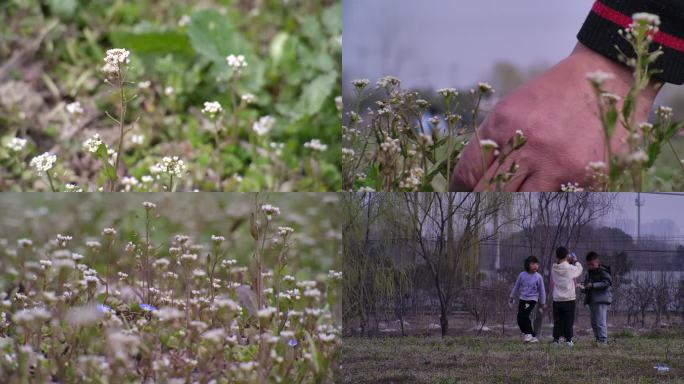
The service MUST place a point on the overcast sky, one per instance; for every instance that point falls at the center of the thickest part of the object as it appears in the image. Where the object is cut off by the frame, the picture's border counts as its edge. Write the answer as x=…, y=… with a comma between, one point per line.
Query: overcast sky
x=655, y=207
x=439, y=43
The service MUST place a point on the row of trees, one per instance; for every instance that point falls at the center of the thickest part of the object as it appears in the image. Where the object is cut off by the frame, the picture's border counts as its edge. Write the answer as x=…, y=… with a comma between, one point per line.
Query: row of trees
x=419, y=251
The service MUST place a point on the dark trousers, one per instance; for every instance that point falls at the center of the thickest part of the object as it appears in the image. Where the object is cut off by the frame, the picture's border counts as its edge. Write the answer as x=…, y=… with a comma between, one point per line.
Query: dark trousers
x=525, y=308
x=563, y=319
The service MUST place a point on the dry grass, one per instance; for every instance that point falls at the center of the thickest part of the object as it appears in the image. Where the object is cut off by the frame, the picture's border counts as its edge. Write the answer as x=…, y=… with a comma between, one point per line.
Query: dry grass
x=490, y=359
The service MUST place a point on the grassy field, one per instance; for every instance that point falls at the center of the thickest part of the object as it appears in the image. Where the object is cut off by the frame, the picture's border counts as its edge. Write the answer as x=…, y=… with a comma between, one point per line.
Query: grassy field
x=467, y=359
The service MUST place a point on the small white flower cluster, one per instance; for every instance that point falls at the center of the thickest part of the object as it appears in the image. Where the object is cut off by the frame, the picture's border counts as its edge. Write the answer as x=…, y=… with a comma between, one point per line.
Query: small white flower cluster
x=284, y=231
x=32, y=315
x=149, y=205
x=217, y=238
x=639, y=157
x=485, y=88
x=664, y=112
x=270, y=210
x=43, y=163
x=390, y=145
x=447, y=92
x=597, y=166
x=599, y=77
x=172, y=165
x=248, y=98
x=236, y=62
x=347, y=154
x=92, y=144
x=412, y=180
x=644, y=18
x=388, y=81
x=212, y=108
x=74, y=108
x=316, y=145
x=263, y=125
x=360, y=84
x=571, y=187
x=487, y=144
x=16, y=144
x=335, y=275
x=113, y=60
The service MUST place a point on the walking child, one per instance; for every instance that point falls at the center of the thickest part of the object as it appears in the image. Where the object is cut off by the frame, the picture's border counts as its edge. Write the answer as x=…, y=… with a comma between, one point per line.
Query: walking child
x=529, y=289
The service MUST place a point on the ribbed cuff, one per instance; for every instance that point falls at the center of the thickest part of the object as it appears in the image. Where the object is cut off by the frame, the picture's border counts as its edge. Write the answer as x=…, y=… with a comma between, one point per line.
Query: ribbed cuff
x=600, y=33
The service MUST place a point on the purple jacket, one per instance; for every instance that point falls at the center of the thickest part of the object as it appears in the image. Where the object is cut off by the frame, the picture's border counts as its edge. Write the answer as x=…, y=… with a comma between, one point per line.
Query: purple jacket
x=529, y=286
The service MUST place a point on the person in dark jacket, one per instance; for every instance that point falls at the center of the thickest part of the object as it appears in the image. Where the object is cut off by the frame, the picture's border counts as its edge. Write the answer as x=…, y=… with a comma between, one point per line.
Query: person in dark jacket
x=598, y=295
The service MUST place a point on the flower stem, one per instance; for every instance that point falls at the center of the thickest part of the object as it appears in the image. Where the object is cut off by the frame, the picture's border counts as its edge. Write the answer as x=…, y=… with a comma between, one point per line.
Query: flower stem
x=52, y=186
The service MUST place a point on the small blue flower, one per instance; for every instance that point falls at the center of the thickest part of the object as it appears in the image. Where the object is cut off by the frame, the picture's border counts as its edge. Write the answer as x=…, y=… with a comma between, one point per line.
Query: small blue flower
x=104, y=308
x=292, y=342
x=147, y=307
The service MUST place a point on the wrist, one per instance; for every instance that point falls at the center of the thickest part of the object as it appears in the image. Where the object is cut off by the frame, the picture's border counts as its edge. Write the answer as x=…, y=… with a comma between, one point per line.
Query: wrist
x=587, y=60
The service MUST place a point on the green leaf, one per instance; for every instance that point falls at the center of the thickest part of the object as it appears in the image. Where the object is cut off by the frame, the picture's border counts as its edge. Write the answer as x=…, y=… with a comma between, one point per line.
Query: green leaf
x=64, y=8
x=153, y=42
x=332, y=19
x=107, y=169
x=609, y=121
x=215, y=36
x=316, y=93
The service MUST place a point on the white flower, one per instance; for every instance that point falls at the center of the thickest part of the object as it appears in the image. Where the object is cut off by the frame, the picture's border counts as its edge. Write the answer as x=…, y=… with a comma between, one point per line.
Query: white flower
x=248, y=98
x=610, y=98
x=316, y=145
x=447, y=92
x=44, y=162
x=236, y=62
x=16, y=144
x=366, y=189
x=184, y=20
x=488, y=144
x=598, y=77
x=217, y=238
x=597, y=165
x=270, y=210
x=646, y=18
x=168, y=91
x=347, y=153
x=388, y=81
x=334, y=275
x=138, y=139
x=72, y=187
x=637, y=157
x=24, y=243
x=92, y=144
x=284, y=231
x=571, y=187
x=485, y=87
x=263, y=125
x=144, y=84
x=108, y=232
x=266, y=313
x=664, y=111
x=360, y=83
x=114, y=58
x=172, y=165
x=212, y=108
x=74, y=108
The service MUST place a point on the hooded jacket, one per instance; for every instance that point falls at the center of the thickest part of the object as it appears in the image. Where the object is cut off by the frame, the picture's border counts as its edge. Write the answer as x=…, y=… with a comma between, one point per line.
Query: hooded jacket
x=563, y=277
x=601, y=282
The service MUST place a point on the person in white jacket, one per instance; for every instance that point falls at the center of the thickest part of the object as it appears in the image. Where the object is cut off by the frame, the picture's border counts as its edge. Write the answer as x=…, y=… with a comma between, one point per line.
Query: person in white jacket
x=563, y=275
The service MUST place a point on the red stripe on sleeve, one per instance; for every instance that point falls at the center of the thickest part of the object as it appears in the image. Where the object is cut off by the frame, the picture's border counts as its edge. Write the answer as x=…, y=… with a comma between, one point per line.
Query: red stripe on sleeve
x=624, y=21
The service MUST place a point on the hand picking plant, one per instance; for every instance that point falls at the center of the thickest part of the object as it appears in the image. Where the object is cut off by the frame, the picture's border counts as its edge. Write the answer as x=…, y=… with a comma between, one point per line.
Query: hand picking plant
x=222, y=96
x=645, y=141
x=401, y=148
x=111, y=310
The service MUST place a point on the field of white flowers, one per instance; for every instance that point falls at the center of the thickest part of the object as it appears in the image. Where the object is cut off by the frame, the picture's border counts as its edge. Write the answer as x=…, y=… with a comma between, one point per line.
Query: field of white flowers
x=160, y=289
x=167, y=96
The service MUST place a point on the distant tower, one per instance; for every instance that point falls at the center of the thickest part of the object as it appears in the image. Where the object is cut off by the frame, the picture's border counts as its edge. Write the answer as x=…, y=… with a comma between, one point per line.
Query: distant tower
x=639, y=203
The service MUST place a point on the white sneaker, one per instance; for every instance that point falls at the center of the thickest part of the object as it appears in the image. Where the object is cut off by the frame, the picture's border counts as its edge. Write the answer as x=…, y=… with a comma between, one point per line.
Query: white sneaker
x=527, y=338
x=534, y=340
x=570, y=343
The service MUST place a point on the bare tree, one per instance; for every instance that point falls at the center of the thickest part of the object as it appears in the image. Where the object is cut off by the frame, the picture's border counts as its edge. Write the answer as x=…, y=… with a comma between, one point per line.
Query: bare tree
x=446, y=230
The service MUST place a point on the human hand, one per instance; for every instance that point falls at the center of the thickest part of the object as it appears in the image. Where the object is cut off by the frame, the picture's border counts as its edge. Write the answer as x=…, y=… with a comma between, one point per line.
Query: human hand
x=557, y=112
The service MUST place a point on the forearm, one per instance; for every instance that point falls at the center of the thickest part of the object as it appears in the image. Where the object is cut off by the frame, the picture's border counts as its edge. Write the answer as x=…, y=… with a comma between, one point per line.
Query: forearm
x=599, y=33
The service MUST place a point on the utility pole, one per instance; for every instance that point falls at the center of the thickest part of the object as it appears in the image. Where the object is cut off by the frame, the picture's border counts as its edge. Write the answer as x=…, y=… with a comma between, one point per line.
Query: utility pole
x=639, y=203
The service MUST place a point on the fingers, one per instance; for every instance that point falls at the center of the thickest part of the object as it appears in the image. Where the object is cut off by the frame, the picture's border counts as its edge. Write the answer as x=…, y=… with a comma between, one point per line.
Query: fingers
x=469, y=169
x=512, y=185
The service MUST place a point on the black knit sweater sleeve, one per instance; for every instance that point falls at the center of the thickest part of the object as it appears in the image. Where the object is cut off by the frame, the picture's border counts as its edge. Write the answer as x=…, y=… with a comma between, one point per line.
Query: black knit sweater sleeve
x=600, y=32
